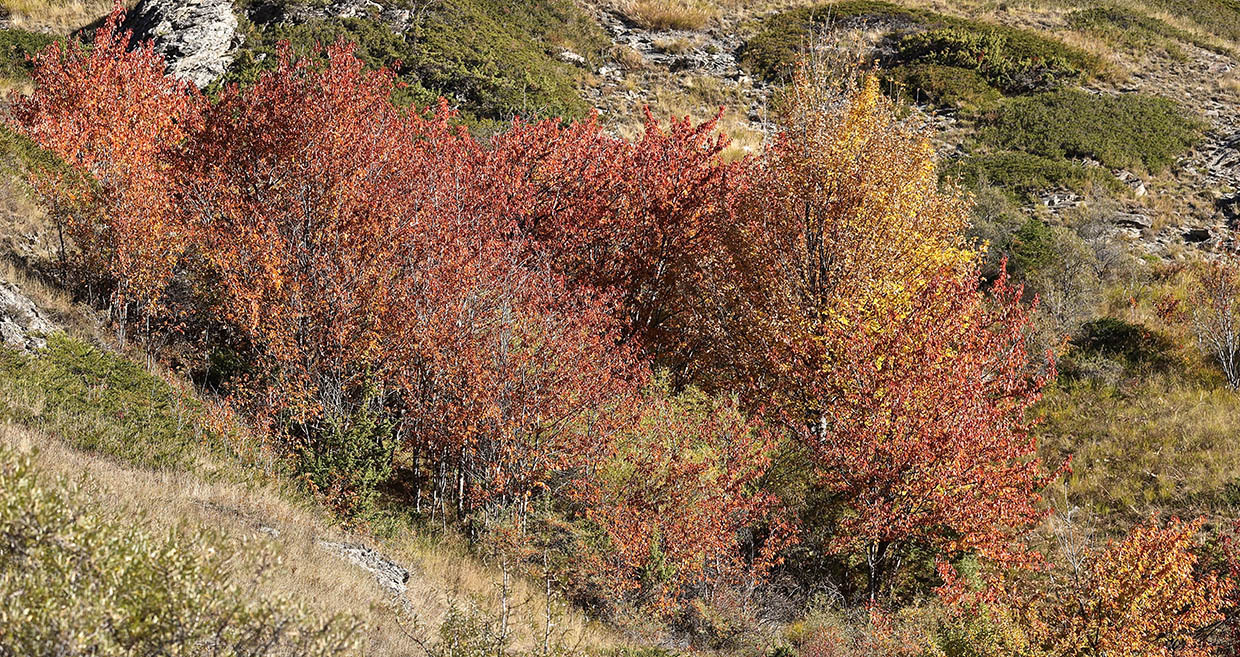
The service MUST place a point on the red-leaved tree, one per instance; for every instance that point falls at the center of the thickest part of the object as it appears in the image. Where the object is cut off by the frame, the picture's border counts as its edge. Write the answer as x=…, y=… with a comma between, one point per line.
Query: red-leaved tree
x=110, y=111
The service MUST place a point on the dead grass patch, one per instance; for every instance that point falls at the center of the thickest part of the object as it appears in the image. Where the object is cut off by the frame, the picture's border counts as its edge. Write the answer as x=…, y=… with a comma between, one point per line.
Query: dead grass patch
x=684, y=15
x=59, y=16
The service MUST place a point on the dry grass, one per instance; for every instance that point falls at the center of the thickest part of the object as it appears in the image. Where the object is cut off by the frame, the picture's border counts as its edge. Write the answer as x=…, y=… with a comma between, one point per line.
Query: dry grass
x=59, y=16
x=229, y=504
x=685, y=15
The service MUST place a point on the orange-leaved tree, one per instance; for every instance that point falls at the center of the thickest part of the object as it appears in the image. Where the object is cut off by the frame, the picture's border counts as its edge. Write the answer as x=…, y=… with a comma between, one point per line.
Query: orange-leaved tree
x=371, y=257
x=109, y=110
x=1141, y=595
x=643, y=220
x=857, y=315
x=922, y=433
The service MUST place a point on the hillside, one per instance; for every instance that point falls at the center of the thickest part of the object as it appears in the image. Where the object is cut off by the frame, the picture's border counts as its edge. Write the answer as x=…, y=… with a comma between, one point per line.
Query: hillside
x=453, y=328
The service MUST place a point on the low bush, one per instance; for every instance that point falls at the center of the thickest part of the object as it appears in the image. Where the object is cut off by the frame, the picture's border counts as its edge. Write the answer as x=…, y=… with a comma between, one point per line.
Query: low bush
x=945, y=86
x=1124, y=131
x=77, y=582
x=1134, y=345
x=781, y=38
x=494, y=59
x=16, y=47
x=1013, y=60
x=1022, y=175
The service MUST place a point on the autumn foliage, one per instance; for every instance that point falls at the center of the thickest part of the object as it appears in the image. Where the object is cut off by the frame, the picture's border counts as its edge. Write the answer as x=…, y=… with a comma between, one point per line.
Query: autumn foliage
x=109, y=111
x=641, y=341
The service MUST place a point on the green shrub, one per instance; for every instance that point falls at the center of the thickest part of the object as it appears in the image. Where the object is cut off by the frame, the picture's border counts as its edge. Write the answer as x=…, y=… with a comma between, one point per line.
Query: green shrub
x=1129, y=130
x=1134, y=346
x=1022, y=175
x=493, y=58
x=16, y=47
x=348, y=458
x=77, y=582
x=100, y=402
x=994, y=218
x=1015, y=61
x=945, y=86
x=782, y=37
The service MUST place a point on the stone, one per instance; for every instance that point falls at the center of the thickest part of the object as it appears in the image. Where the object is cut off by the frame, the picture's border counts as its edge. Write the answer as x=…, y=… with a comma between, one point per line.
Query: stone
x=197, y=37
x=571, y=57
x=391, y=576
x=22, y=325
x=1133, y=220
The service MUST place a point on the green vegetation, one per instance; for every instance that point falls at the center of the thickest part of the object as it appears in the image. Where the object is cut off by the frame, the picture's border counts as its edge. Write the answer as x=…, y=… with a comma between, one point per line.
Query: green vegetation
x=1022, y=175
x=76, y=581
x=1135, y=347
x=1010, y=58
x=494, y=59
x=99, y=401
x=1218, y=17
x=1016, y=61
x=774, y=50
x=16, y=46
x=1132, y=30
x=1129, y=131
x=945, y=86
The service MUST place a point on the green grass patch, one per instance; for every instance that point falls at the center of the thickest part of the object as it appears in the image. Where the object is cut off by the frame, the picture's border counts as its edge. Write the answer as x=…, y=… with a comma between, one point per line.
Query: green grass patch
x=493, y=58
x=1128, y=131
x=1132, y=30
x=100, y=402
x=1023, y=175
x=1157, y=441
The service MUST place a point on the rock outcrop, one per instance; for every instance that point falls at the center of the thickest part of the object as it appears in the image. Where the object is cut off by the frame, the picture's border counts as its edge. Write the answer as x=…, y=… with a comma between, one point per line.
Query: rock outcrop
x=22, y=325
x=197, y=37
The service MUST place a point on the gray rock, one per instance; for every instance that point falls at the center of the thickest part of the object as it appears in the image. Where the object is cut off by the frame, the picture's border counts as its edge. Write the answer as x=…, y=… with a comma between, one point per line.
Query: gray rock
x=1133, y=220
x=389, y=574
x=572, y=58
x=197, y=37
x=22, y=325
